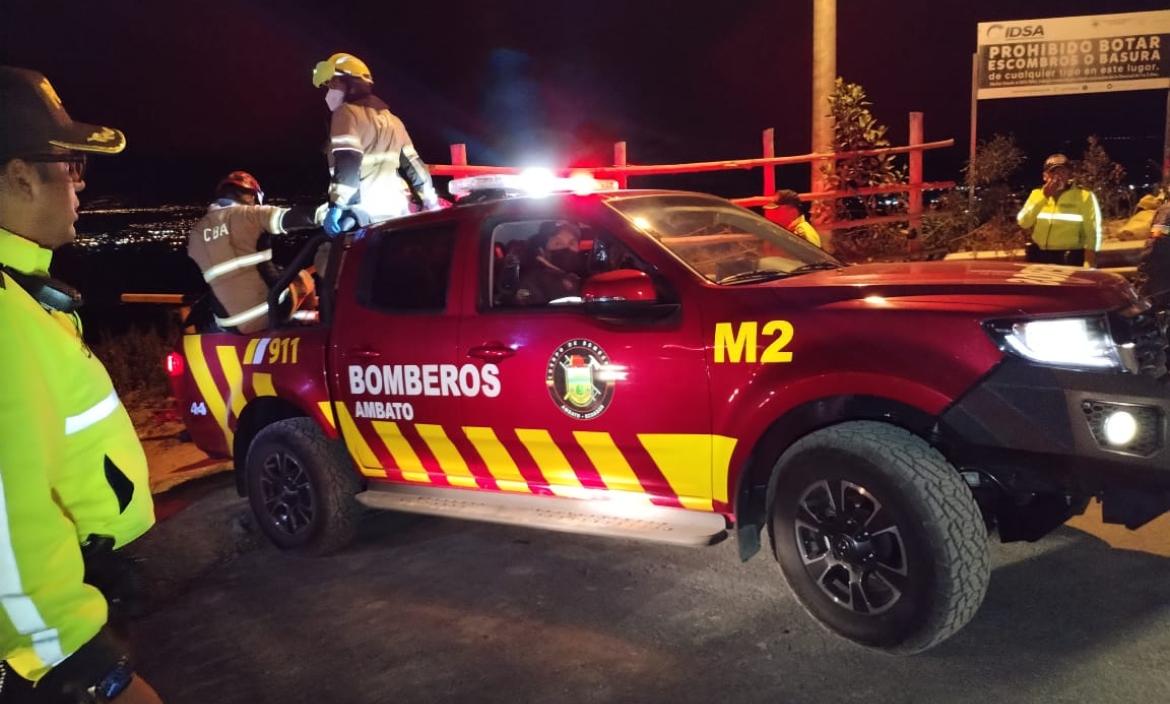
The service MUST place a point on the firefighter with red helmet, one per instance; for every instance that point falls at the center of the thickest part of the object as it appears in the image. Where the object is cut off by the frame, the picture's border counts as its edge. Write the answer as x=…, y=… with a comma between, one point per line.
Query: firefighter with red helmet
x=371, y=157
x=232, y=246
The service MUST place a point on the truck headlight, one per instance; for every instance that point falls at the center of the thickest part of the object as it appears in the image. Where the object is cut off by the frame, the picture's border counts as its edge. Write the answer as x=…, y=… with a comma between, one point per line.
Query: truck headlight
x=1079, y=343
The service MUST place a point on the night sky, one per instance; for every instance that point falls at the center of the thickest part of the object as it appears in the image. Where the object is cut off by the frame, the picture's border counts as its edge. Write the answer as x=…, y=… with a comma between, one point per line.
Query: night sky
x=202, y=88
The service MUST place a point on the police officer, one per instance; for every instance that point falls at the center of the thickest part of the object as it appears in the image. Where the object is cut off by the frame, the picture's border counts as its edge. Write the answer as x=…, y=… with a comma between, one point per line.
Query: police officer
x=1065, y=220
x=232, y=247
x=72, y=472
x=370, y=152
x=785, y=211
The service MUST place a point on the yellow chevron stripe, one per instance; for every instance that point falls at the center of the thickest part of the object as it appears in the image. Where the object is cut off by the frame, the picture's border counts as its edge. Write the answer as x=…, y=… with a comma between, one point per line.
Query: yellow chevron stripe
x=404, y=456
x=557, y=471
x=685, y=461
x=250, y=351
x=499, y=463
x=359, y=449
x=262, y=384
x=450, y=461
x=611, y=464
x=721, y=449
x=193, y=351
x=327, y=413
x=235, y=377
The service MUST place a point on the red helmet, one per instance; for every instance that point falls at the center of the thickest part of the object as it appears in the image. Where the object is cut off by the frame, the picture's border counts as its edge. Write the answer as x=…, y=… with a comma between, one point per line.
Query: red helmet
x=242, y=180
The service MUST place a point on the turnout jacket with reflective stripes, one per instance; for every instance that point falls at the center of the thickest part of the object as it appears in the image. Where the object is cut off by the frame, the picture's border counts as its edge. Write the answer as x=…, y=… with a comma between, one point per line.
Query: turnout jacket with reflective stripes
x=231, y=249
x=373, y=160
x=1072, y=220
x=71, y=466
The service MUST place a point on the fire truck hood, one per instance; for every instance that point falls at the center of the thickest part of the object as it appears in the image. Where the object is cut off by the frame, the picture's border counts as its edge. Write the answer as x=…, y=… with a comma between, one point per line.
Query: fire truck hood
x=988, y=286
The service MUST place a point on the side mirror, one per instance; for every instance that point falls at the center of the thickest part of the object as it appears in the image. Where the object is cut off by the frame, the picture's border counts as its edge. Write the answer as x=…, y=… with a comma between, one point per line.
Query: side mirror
x=624, y=294
x=620, y=286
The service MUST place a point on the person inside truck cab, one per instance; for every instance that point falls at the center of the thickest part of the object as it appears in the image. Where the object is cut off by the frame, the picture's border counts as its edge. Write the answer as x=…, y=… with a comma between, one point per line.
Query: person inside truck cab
x=232, y=246
x=553, y=267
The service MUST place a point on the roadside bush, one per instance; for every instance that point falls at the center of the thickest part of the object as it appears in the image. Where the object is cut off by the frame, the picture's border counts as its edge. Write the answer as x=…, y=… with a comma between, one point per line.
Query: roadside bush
x=134, y=360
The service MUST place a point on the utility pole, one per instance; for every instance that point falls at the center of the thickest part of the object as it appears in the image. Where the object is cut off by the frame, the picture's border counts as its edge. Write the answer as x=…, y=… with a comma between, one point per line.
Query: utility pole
x=824, y=76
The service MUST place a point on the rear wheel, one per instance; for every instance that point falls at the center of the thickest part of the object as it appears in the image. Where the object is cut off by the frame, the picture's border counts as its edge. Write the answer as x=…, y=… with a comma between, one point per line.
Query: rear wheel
x=301, y=487
x=878, y=536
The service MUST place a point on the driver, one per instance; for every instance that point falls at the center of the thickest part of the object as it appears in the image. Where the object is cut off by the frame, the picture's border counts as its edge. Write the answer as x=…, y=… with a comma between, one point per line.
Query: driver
x=232, y=247
x=554, y=266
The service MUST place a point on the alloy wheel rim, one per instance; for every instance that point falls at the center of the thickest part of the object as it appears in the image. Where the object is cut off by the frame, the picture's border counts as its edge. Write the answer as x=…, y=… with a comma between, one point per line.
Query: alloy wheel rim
x=287, y=493
x=851, y=546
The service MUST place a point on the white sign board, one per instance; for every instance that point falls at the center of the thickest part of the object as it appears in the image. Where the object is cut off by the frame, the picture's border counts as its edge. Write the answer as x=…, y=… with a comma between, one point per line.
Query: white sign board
x=1066, y=55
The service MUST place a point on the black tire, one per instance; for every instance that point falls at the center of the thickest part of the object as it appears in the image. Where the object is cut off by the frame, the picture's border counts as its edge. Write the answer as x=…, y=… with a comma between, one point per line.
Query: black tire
x=878, y=536
x=302, y=487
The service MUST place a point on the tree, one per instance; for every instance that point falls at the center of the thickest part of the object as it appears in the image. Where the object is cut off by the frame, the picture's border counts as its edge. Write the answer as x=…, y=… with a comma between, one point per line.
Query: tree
x=1103, y=176
x=856, y=129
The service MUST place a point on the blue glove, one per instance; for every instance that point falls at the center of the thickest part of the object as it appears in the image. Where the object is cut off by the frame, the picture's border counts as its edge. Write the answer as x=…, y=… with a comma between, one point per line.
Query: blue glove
x=332, y=222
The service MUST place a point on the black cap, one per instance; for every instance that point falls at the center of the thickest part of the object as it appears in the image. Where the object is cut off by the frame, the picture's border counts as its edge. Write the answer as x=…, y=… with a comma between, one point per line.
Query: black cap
x=33, y=121
x=784, y=197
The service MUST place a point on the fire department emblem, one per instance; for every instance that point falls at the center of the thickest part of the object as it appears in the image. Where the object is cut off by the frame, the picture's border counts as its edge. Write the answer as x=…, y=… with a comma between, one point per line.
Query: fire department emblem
x=581, y=379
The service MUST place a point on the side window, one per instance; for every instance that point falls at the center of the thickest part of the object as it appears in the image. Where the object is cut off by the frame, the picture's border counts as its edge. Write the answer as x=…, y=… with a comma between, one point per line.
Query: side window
x=542, y=263
x=409, y=270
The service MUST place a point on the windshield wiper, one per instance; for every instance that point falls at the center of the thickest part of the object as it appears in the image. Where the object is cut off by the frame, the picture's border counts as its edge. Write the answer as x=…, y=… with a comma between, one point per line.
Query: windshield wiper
x=815, y=266
x=750, y=276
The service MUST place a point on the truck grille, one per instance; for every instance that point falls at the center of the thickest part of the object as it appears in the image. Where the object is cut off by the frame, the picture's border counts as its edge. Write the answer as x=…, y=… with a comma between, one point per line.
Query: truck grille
x=1147, y=333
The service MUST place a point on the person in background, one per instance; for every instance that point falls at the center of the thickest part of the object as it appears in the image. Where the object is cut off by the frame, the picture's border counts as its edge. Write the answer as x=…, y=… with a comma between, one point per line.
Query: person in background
x=73, y=476
x=1153, y=279
x=1065, y=220
x=786, y=211
x=232, y=246
x=554, y=265
x=370, y=153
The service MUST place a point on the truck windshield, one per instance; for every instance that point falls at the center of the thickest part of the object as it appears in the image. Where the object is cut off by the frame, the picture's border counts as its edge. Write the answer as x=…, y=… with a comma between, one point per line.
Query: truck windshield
x=722, y=242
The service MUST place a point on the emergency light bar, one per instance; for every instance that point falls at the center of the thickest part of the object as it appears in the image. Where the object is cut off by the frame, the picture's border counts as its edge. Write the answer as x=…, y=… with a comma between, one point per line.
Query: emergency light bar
x=531, y=182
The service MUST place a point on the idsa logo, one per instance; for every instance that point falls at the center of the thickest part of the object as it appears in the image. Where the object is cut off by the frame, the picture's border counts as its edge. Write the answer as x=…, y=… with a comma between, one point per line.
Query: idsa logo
x=999, y=31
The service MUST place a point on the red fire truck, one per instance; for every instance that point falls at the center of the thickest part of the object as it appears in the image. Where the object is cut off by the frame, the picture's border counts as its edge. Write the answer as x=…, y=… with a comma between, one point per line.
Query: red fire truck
x=695, y=372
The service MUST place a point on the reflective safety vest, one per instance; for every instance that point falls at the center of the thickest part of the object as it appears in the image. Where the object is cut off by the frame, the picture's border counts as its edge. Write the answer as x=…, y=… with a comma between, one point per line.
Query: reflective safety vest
x=1072, y=220
x=71, y=466
x=801, y=226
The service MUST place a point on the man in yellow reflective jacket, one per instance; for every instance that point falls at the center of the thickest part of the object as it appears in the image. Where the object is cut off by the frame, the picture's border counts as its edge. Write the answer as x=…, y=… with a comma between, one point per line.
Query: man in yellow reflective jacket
x=785, y=211
x=72, y=472
x=1065, y=220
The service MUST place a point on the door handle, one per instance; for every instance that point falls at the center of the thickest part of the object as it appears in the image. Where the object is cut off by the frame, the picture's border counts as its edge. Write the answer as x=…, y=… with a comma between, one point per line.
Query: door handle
x=491, y=351
x=365, y=353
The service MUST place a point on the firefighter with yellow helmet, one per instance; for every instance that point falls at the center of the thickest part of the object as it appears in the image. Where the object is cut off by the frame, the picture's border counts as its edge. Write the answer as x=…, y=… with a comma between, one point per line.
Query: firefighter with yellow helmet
x=1065, y=219
x=370, y=152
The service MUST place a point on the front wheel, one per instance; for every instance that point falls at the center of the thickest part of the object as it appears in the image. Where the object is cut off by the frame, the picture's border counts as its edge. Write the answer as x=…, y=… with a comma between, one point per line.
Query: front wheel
x=878, y=536
x=301, y=486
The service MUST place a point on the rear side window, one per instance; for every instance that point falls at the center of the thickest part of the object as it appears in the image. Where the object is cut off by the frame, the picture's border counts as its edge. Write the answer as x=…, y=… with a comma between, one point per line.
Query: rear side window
x=409, y=270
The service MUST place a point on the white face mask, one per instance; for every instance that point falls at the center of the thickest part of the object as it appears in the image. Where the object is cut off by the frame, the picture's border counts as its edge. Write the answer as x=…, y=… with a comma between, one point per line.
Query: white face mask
x=334, y=98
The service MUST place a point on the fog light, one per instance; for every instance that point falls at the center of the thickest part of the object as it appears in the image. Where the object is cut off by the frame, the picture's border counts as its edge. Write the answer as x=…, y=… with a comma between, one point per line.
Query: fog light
x=1120, y=428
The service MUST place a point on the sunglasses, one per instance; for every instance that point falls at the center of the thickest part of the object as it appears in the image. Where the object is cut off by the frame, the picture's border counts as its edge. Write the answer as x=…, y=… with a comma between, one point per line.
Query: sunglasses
x=74, y=162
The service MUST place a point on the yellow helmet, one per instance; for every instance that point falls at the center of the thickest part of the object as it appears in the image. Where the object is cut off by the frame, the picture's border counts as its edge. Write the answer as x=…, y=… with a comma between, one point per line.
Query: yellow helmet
x=341, y=65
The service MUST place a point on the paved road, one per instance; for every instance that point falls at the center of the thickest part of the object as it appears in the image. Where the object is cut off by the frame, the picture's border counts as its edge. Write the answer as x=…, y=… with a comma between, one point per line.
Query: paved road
x=432, y=610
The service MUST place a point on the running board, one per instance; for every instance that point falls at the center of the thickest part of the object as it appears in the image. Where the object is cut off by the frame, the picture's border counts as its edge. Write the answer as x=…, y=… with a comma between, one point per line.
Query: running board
x=635, y=518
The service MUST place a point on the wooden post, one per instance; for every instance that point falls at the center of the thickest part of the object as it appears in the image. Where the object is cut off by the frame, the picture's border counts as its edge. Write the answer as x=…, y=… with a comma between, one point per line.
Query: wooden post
x=459, y=155
x=915, y=201
x=769, y=170
x=974, y=132
x=619, y=159
x=824, y=77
